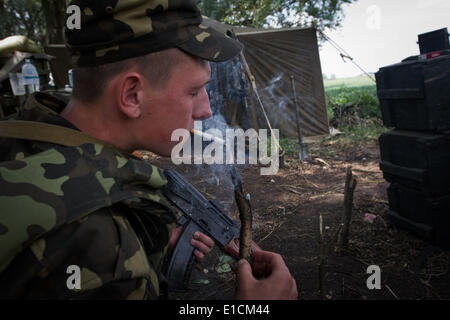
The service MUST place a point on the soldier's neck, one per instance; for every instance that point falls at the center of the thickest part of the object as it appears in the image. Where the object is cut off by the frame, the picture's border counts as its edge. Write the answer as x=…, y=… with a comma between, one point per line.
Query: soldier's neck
x=97, y=122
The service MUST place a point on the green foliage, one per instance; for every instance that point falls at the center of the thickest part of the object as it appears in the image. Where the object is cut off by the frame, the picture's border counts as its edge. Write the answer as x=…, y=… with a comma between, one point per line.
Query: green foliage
x=21, y=17
x=360, y=100
x=324, y=14
x=364, y=131
x=40, y=20
x=353, y=108
x=290, y=146
x=360, y=81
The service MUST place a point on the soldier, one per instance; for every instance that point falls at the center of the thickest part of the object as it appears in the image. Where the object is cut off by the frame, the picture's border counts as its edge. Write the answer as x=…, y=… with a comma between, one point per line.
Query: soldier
x=71, y=193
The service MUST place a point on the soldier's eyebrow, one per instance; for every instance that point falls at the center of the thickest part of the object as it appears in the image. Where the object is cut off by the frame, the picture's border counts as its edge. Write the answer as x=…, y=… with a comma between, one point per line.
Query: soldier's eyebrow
x=203, y=85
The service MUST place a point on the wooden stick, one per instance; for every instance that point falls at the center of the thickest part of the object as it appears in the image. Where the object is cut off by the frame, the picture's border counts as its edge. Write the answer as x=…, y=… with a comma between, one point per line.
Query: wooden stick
x=350, y=186
x=324, y=253
x=258, y=98
x=321, y=260
x=246, y=217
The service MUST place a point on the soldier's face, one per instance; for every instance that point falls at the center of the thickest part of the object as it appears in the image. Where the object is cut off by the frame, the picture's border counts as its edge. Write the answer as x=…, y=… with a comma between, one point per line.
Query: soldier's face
x=183, y=101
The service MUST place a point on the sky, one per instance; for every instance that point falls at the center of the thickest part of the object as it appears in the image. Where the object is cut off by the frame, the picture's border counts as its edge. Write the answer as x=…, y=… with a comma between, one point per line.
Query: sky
x=377, y=33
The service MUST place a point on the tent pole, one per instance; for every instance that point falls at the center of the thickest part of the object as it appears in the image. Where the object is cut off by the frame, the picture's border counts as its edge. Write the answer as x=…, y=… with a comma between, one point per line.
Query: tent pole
x=303, y=152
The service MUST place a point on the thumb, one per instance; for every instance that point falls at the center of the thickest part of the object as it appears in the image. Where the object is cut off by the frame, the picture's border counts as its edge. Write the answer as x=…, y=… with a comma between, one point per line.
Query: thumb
x=244, y=271
x=244, y=279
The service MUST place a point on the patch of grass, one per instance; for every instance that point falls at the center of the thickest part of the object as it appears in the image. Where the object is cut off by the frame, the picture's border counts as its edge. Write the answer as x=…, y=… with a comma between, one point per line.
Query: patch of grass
x=289, y=145
x=353, y=143
x=363, y=100
x=364, y=131
x=360, y=81
x=353, y=108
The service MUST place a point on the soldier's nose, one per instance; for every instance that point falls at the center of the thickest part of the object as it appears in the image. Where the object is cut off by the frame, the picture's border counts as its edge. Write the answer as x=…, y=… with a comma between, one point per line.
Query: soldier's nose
x=203, y=111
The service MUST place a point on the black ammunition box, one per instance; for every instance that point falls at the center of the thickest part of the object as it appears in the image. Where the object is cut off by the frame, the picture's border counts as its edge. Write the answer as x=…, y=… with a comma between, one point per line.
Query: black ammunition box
x=434, y=41
x=427, y=217
x=417, y=160
x=415, y=95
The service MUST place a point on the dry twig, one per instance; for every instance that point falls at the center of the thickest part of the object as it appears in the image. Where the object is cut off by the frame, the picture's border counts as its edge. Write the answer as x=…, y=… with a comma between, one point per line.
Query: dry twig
x=245, y=216
x=350, y=186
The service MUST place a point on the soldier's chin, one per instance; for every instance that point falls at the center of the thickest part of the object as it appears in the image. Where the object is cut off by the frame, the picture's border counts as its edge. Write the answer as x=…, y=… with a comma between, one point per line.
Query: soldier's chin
x=168, y=149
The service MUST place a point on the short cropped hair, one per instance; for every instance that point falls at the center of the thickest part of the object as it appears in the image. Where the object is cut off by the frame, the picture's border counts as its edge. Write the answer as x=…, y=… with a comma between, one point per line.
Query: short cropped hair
x=89, y=83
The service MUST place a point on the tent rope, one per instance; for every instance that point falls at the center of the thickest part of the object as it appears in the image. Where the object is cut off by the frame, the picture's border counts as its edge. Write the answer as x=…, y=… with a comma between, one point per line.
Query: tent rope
x=255, y=91
x=344, y=55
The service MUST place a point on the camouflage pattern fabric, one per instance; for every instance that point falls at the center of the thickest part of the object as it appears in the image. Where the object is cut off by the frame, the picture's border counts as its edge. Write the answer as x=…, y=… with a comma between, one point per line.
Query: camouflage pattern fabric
x=84, y=206
x=113, y=30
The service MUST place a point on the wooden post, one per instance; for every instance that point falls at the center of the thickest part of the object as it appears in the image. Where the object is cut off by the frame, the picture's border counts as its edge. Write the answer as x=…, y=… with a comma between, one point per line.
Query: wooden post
x=303, y=148
x=322, y=260
x=350, y=186
x=324, y=253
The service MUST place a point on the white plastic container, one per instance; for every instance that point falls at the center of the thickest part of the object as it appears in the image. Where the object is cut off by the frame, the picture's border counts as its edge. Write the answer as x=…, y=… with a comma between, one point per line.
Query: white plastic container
x=30, y=77
x=70, y=78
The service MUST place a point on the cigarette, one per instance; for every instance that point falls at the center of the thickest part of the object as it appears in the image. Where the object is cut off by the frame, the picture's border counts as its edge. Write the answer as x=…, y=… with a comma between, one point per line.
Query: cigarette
x=207, y=136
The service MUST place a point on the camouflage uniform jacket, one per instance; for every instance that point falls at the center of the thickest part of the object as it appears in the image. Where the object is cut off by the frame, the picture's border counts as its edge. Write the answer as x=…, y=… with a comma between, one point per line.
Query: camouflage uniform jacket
x=88, y=206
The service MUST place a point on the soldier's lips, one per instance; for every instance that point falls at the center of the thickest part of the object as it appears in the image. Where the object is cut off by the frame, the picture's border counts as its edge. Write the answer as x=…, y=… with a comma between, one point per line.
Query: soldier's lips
x=207, y=136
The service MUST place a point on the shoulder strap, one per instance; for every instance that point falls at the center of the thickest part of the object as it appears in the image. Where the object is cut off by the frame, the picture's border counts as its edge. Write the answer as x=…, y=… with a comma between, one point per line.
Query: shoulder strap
x=45, y=132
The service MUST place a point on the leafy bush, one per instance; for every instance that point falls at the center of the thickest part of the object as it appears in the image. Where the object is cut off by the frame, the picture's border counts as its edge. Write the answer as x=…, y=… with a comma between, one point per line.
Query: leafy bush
x=289, y=145
x=355, y=110
x=362, y=101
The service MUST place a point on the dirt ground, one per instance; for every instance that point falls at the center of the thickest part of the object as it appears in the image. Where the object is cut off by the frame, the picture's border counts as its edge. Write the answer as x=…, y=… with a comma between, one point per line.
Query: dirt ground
x=286, y=210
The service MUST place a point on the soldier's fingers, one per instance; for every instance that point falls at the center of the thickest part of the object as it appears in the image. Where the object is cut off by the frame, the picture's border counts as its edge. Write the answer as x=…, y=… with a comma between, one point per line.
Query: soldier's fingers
x=200, y=256
x=204, y=238
x=200, y=246
x=175, y=236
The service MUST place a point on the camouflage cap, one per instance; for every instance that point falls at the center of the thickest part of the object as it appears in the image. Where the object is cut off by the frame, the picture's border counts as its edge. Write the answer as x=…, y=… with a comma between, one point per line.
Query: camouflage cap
x=114, y=30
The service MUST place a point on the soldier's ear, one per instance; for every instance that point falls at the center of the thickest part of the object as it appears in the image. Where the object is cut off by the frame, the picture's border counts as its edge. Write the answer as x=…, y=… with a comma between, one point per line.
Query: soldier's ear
x=130, y=94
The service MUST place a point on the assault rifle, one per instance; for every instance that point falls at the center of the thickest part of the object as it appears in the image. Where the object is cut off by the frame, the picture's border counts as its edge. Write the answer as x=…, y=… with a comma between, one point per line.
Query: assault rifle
x=199, y=214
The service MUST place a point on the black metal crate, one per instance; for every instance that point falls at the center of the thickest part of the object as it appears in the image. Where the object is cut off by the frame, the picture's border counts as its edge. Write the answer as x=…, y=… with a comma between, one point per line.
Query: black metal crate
x=415, y=95
x=434, y=41
x=416, y=159
x=428, y=217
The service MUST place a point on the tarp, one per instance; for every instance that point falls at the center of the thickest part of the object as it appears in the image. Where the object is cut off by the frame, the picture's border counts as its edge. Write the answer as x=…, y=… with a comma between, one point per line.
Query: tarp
x=273, y=56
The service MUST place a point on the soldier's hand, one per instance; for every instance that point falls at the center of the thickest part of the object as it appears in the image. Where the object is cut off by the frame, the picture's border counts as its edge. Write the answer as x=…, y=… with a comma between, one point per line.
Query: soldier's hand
x=275, y=283
x=201, y=242
x=203, y=245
